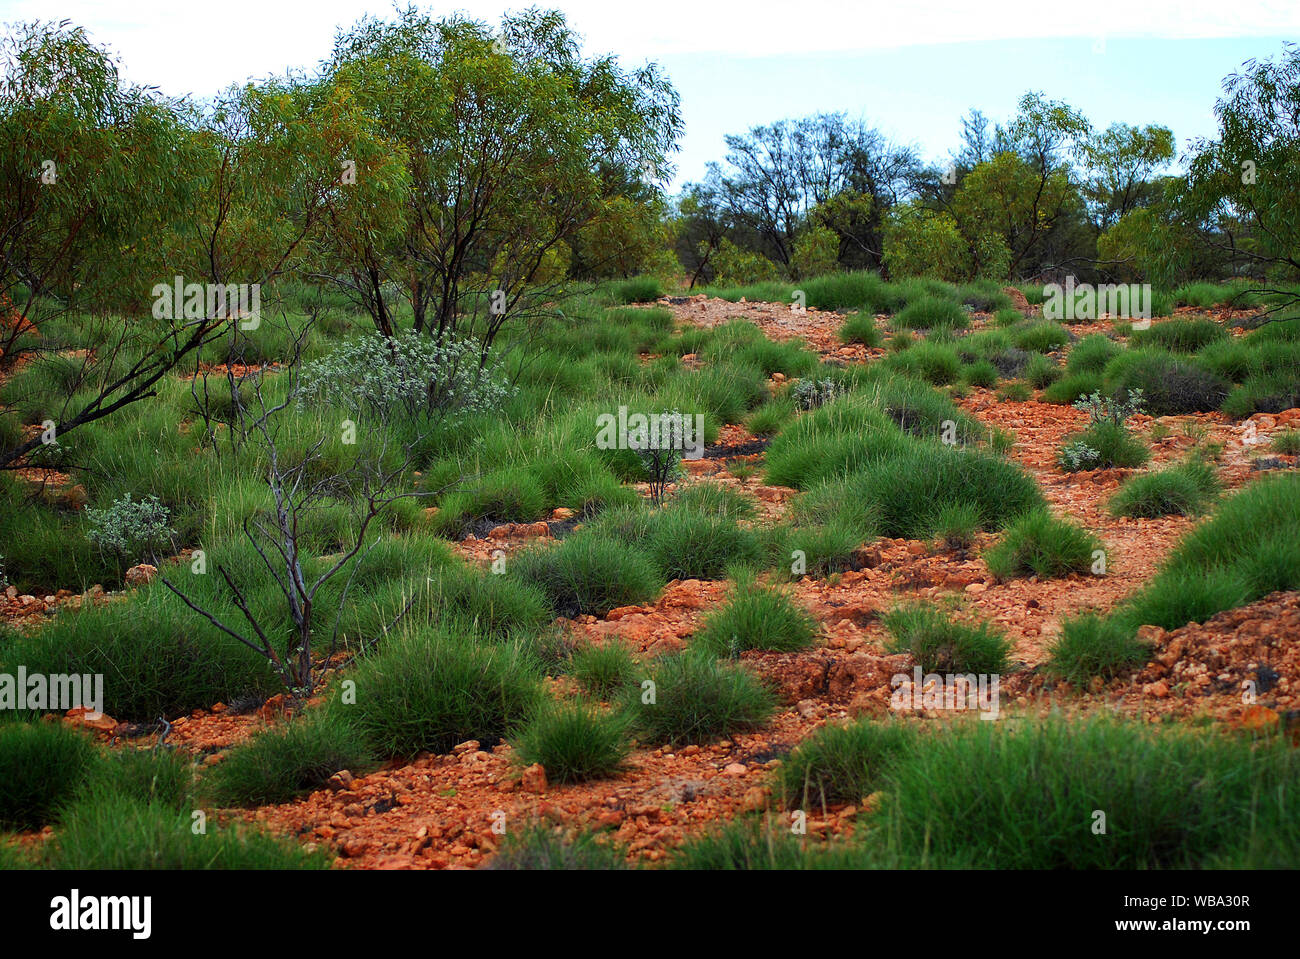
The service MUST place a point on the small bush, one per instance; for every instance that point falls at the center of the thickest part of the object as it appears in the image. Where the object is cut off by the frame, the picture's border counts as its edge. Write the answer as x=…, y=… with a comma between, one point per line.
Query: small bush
x=1092, y=646
x=689, y=545
x=1104, y=445
x=131, y=531
x=861, y=328
x=955, y=524
x=1039, y=544
x=980, y=373
x=1042, y=337
x=1170, y=386
x=575, y=742
x=697, y=699
x=1286, y=442
x=117, y=832
x=931, y=312
x=639, y=289
x=756, y=617
x=940, y=644
x=842, y=764
x=935, y=363
x=42, y=766
x=1091, y=354
x=1041, y=372
x=1014, y=392
x=602, y=669
x=1070, y=387
x=1180, y=336
x=277, y=765
x=588, y=573
x=432, y=689
x=538, y=847
x=1183, y=490
x=161, y=776
x=770, y=417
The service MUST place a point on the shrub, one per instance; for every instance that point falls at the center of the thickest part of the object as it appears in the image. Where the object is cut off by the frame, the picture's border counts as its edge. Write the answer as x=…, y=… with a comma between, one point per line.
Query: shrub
x=827, y=548
x=156, y=657
x=575, y=742
x=42, y=766
x=1023, y=797
x=810, y=394
x=1094, y=646
x=162, y=776
x=861, y=328
x=842, y=436
x=1169, y=385
x=1091, y=354
x=905, y=491
x=1180, y=336
x=1104, y=445
x=539, y=846
x=980, y=373
x=842, y=764
x=1014, y=392
x=602, y=669
x=697, y=699
x=931, y=312
x=1071, y=387
x=770, y=417
x=588, y=573
x=1011, y=361
x=1249, y=548
x=1286, y=442
x=638, y=289
x=1007, y=317
x=1042, y=337
x=756, y=617
x=935, y=363
x=411, y=374
x=278, y=764
x=1042, y=545
x=1041, y=372
x=116, y=832
x=689, y=545
x=941, y=644
x=955, y=524
x=431, y=689
x=129, y=530
x=1264, y=393
x=1184, y=490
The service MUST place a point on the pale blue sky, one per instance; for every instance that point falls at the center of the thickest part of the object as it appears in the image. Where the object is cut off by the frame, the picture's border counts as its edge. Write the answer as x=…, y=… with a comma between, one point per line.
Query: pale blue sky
x=912, y=68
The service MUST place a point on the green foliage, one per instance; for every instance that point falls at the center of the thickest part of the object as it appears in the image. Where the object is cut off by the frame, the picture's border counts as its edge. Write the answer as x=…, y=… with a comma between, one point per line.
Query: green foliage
x=756, y=617
x=1185, y=490
x=1071, y=387
x=434, y=688
x=1094, y=646
x=152, y=775
x=1042, y=337
x=602, y=669
x=1042, y=545
x=575, y=742
x=539, y=846
x=42, y=767
x=280, y=763
x=842, y=764
x=697, y=699
x=588, y=573
x=1180, y=336
x=1090, y=355
x=130, y=530
x=861, y=328
x=1169, y=385
x=940, y=644
x=118, y=832
x=1104, y=445
x=931, y=312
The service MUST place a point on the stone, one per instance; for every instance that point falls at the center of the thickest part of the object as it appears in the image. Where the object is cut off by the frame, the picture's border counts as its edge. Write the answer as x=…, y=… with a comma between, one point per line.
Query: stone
x=735, y=769
x=141, y=575
x=534, y=779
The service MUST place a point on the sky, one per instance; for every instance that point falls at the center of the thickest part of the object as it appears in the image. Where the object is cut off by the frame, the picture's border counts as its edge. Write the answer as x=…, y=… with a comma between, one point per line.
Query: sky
x=911, y=68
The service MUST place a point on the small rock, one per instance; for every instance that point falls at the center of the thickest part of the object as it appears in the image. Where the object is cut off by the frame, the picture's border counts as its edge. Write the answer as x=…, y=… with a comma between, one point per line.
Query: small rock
x=735, y=769
x=534, y=779
x=141, y=575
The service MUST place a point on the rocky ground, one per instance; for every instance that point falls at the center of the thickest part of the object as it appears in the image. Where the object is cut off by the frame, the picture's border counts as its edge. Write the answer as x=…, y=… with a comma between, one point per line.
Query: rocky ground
x=438, y=811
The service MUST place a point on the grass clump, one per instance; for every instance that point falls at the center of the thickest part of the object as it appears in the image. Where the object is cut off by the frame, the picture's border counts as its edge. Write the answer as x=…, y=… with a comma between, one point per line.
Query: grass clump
x=117, y=832
x=434, y=688
x=842, y=764
x=1042, y=545
x=1286, y=442
x=1184, y=490
x=574, y=741
x=42, y=767
x=1104, y=445
x=931, y=312
x=281, y=763
x=1094, y=646
x=757, y=617
x=1041, y=337
x=1180, y=336
x=1169, y=385
x=955, y=525
x=539, y=846
x=588, y=573
x=602, y=669
x=1072, y=386
x=162, y=776
x=861, y=328
x=941, y=644
x=695, y=698
x=1026, y=796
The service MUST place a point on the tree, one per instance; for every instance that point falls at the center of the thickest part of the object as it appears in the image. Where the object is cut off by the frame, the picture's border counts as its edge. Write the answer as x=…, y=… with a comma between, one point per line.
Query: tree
x=1121, y=161
x=508, y=141
x=1242, y=193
